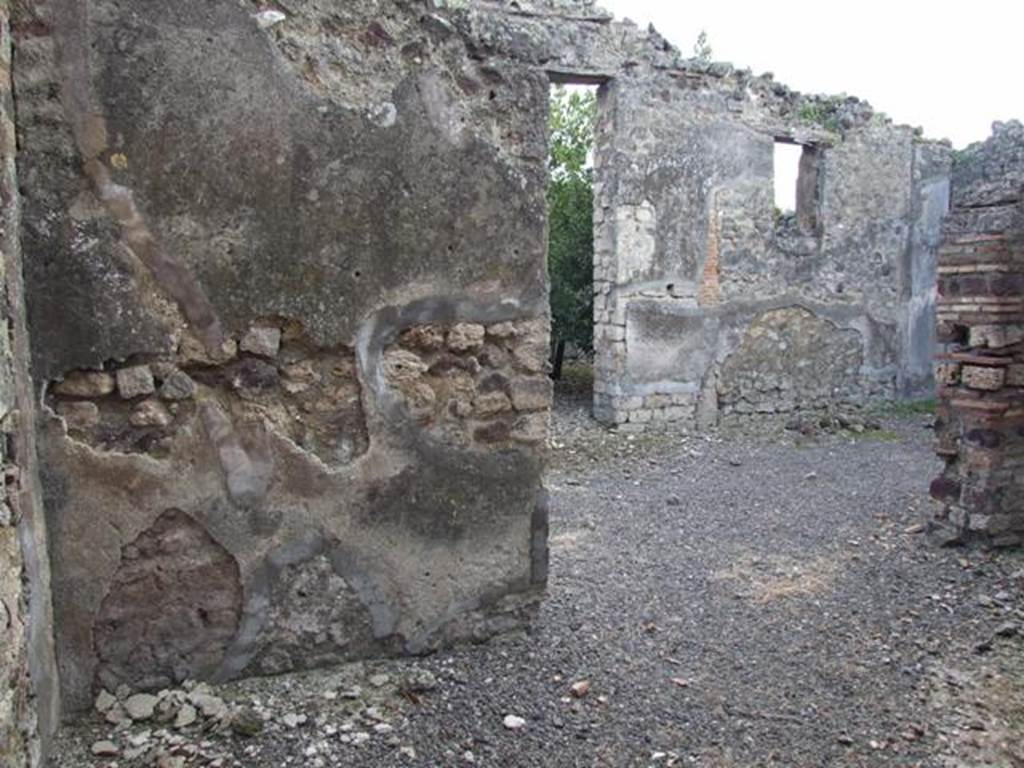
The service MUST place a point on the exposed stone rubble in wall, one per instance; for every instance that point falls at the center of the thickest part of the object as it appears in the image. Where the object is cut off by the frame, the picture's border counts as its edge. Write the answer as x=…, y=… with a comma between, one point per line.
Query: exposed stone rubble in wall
x=288, y=298
x=218, y=300
x=685, y=231
x=474, y=385
x=790, y=358
x=980, y=424
x=273, y=374
x=144, y=643
x=305, y=631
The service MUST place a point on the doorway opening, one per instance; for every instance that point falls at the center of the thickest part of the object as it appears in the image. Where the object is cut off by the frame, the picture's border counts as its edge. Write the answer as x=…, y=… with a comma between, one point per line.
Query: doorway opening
x=571, y=163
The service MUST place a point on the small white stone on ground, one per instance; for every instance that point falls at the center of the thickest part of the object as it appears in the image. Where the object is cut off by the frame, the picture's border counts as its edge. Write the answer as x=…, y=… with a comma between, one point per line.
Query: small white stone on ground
x=514, y=722
x=267, y=19
x=380, y=680
x=186, y=716
x=104, y=749
x=105, y=700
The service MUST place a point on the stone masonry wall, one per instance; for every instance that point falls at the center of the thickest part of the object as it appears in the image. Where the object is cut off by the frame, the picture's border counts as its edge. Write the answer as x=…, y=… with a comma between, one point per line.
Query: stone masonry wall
x=287, y=290
x=28, y=680
x=708, y=304
x=286, y=287
x=691, y=261
x=980, y=423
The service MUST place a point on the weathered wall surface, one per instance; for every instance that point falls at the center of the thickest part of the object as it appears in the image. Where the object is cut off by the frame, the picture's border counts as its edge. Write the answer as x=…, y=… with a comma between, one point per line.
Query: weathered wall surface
x=980, y=423
x=709, y=304
x=286, y=287
x=28, y=676
x=288, y=298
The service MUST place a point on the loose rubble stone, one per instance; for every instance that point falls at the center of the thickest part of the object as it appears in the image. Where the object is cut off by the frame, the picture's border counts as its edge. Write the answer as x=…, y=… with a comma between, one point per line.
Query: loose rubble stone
x=419, y=681
x=246, y=722
x=208, y=704
x=105, y=749
x=140, y=706
x=186, y=716
x=268, y=18
x=104, y=701
x=580, y=689
x=513, y=722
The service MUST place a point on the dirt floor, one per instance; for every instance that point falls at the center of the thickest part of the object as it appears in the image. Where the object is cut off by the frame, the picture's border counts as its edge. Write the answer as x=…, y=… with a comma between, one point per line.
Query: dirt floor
x=754, y=597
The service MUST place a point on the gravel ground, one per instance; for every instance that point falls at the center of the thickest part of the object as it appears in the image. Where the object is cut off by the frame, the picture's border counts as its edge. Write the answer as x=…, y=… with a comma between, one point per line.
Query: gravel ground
x=752, y=598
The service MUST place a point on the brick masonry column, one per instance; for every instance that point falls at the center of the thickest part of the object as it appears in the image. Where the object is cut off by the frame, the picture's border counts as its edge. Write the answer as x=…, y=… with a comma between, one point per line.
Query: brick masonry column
x=980, y=373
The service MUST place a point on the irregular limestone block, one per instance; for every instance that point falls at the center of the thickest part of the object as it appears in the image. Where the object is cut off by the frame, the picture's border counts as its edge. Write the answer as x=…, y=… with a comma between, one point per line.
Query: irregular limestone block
x=947, y=374
x=177, y=385
x=79, y=414
x=424, y=337
x=531, y=394
x=464, y=337
x=502, y=330
x=135, y=381
x=490, y=403
x=402, y=366
x=995, y=336
x=980, y=377
x=150, y=413
x=262, y=340
x=1015, y=375
x=85, y=384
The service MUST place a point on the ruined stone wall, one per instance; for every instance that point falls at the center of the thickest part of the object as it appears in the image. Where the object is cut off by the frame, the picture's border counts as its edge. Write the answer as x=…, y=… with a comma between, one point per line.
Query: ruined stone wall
x=980, y=424
x=288, y=299
x=286, y=287
x=709, y=305
x=28, y=679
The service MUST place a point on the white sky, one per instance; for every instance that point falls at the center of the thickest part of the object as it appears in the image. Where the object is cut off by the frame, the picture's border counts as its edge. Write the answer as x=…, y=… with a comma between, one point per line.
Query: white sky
x=947, y=66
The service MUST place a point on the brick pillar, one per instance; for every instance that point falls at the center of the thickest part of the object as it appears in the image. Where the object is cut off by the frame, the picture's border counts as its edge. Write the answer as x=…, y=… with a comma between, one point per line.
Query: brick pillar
x=980, y=374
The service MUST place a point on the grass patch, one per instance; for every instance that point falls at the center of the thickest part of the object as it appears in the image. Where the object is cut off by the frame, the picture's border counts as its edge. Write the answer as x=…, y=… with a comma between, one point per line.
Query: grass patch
x=577, y=376
x=910, y=408
x=769, y=579
x=878, y=435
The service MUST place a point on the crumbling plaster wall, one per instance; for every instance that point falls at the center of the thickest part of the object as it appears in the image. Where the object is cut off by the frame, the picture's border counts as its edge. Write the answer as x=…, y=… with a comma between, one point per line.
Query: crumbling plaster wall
x=980, y=420
x=28, y=675
x=288, y=298
x=287, y=291
x=697, y=278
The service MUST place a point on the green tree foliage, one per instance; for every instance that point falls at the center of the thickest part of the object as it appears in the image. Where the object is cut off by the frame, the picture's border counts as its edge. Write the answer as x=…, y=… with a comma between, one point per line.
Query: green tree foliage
x=571, y=215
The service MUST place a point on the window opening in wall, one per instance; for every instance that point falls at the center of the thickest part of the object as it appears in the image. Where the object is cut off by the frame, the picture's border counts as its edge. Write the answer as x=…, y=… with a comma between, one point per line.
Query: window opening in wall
x=797, y=185
x=573, y=117
x=787, y=168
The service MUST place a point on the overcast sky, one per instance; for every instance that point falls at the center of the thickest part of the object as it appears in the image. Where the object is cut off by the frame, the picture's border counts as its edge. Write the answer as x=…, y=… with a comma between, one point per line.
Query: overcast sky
x=949, y=67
